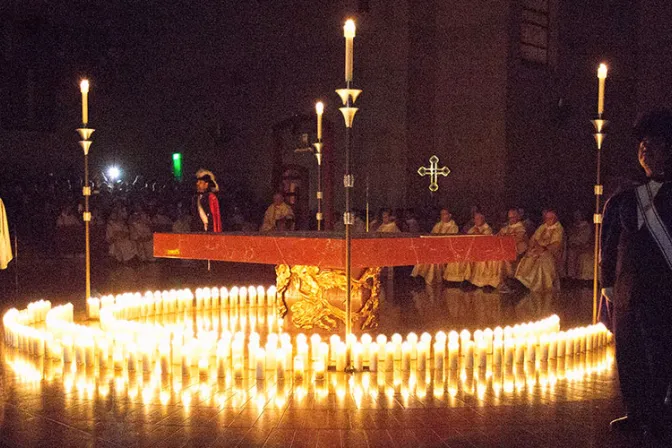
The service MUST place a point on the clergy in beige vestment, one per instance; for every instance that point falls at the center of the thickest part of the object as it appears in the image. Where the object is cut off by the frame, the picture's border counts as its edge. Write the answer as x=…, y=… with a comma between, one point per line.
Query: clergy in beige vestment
x=580, y=250
x=481, y=273
x=540, y=267
x=432, y=272
x=5, y=241
x=387, y=225
x=514, y=228
x=277, y=211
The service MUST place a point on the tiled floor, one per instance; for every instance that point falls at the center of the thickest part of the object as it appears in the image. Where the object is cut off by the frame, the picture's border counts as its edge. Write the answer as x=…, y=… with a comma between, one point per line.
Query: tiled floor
x=566, y=404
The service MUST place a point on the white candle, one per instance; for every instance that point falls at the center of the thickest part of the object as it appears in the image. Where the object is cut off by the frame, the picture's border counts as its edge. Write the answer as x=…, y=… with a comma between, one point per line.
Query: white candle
x=298, y=367
x=469, y=355
x=465, y=337
x=396, y=340
x=389, y=357
x=482, y=353
x=357, y=356
x=349, y=34
x=497, y=348
x=319, y=110
x=340, y=357
x=453, y=354
x=601, y=76
x=412, y=339
x=84, y=88
x=439, y=354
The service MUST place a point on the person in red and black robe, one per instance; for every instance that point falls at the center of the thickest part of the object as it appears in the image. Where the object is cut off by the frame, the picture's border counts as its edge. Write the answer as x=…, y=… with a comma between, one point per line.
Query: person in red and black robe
x=205, y=206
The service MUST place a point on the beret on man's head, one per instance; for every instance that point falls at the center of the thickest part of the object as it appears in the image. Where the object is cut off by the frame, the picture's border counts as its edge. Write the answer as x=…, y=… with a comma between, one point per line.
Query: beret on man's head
x=656, y=123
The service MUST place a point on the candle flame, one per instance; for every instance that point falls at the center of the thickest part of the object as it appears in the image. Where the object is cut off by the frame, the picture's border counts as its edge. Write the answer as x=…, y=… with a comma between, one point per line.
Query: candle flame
x=349, y=29
x=84, y=86
x=319, y=107
x=602, y=71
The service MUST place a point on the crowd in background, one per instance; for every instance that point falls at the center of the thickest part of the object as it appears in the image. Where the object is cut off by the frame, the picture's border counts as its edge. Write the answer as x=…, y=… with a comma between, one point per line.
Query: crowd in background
x=47, y=212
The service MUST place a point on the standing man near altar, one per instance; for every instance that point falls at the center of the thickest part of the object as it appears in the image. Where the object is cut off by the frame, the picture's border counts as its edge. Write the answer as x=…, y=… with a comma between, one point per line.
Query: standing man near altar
x=445, y=226
x=206, y=204
x=539, y=270
x=636, y=275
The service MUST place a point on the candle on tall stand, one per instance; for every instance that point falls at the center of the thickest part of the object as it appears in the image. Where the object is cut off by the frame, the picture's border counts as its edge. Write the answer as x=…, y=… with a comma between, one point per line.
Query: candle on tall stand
x=599, y=124
x=85, y=143
x=348, y=97
x=319, y=110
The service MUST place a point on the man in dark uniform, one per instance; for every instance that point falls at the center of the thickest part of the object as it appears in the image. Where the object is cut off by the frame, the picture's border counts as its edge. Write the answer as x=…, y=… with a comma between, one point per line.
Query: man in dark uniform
x=205, y=207
x=636, y=270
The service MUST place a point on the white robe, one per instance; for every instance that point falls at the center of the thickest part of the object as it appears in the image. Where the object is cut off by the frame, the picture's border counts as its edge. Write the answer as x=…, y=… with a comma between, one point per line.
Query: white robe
x=273, y=214
x=141, y=234
x=540, y=267
x=580, y=251
x=390, y=227
x=482, y=273
x=506, y=269
x=432, y=272
x=5, y=241
x=117, y=235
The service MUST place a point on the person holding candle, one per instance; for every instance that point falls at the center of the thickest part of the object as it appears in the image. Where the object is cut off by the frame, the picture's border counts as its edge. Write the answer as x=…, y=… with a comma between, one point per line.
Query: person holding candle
x=636, y=277
x=206, y=204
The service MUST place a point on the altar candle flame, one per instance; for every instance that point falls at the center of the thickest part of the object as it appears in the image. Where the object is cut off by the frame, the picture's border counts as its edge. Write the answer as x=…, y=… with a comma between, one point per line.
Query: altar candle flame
x=601, y=76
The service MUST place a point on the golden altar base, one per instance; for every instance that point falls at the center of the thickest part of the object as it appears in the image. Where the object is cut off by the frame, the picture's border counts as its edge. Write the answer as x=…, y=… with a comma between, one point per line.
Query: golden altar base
x=313, y=297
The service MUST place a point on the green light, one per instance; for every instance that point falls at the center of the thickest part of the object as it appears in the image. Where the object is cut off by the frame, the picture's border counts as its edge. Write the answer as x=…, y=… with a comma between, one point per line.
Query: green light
x=177, y=166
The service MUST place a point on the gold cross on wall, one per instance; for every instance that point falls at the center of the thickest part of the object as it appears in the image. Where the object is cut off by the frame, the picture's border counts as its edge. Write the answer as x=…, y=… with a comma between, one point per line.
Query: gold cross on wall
x=433, y=172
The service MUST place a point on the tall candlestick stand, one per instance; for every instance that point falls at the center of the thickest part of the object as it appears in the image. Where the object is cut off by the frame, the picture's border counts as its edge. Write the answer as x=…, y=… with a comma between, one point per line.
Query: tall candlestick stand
x=348, y=97
x=599, y=125
x=319, y=109
x=85, y=143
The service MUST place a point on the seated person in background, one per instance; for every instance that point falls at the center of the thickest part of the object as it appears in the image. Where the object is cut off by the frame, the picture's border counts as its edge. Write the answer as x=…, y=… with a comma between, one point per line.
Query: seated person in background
x=279, y=210
x=118, y=236
x=410, y=223
x=580, y=249
x=387, y=225
x=469, y=224
x=481, y=273
x=540, y=267
x=445, y=226
x=515, y=228
x=140, y=226
x=68, y=228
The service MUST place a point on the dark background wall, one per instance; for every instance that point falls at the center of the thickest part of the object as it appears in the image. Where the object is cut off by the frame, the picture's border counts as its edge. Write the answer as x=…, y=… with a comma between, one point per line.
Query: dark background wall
x=439, y=77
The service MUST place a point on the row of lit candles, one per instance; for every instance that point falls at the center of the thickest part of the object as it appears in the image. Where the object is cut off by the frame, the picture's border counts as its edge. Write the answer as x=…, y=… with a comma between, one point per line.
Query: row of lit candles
x=150, y=303
x=137, y=346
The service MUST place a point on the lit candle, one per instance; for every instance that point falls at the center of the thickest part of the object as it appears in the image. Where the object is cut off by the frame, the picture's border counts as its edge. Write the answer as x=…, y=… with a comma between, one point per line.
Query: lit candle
x=423, y=354
x=396, y=340
x=298, y=367
x=469, y=355
x=439, y=354
x=482, y=353
x=465, y=337
x=349, y=34
x=497, y=348
x=531, y=352
x=340, y=356
x=453, y=354
x=601, y=76
x=389, y=357
x=319, y=109
x=84, y=88
x=357, y=356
